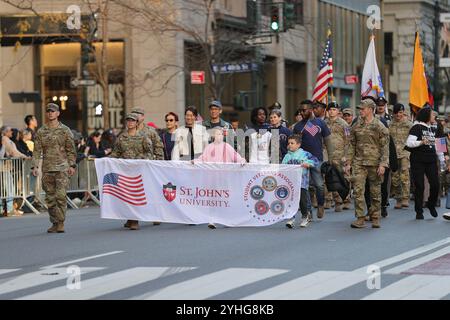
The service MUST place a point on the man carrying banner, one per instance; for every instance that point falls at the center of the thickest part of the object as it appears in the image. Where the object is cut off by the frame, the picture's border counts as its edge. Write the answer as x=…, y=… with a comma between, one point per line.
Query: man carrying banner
x=54, y=142
x=133, y=144
x=368, y=156
x=157, y=145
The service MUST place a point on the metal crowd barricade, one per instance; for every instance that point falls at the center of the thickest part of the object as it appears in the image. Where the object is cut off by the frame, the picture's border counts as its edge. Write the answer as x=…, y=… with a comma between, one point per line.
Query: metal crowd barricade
x=15, y=181
x=84, y=181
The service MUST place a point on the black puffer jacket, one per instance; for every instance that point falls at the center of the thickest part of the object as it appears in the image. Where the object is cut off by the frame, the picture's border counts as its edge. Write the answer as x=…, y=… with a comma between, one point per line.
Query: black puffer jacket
x=334, y=179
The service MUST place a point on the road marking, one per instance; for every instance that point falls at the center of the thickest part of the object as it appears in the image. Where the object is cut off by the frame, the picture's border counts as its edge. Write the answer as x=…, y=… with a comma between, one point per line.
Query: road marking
x=417, y=262
x=407, y=255
x=4, y=271
x=82, y=259
x=211, y=284
x=415, y=287
x=37, y=278
x=313, y=286
x=106, y=284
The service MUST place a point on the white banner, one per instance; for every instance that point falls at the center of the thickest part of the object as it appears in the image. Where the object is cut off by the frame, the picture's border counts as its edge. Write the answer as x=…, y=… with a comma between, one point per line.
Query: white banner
x=181, y=192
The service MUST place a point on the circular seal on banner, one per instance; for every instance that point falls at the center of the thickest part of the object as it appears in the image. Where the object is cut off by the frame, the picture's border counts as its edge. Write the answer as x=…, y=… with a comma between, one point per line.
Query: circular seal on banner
x=257, y=193
x=277, y=207
x=282, y=193
x=269, y=183
x=261, y=207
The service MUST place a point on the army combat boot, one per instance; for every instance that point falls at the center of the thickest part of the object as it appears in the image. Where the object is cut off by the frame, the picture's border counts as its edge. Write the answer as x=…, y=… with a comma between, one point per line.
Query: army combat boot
x=127, y=224
x=376, y=222
x=60, y=227
x=53, y=228
x=134, y=225
x=359, y=223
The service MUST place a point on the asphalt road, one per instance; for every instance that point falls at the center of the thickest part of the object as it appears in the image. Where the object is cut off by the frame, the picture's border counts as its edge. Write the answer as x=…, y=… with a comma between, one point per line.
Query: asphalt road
x=327, y=260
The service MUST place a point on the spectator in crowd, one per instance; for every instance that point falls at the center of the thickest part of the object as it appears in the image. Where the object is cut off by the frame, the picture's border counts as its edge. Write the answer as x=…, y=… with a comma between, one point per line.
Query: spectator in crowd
x=21, y=145
x=108, y=139
x=190, y=139
x=94, y=148
x=283, y=133
x=215, y=110
x=314, y=131
x=32, y=124
x=234, y=124
x=423, y=160
x=297, y=119
x=167, y=136
x=28, y=138
x=10, y=147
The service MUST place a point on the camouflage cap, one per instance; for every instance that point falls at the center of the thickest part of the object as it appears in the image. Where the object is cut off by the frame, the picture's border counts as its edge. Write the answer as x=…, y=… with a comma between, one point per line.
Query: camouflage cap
x=138, y=110
x=52, y=106
x=347, y=111
x=131, y=116
x=367, y=103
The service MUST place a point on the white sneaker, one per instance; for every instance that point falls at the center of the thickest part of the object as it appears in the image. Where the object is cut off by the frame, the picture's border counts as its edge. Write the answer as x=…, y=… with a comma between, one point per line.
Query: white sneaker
x=446, y=216
x=212, y=226
x=290, y=224
x=305, y=221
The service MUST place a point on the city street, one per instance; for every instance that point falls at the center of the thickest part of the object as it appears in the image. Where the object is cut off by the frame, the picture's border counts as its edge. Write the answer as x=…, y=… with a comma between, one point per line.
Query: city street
x=328, y=260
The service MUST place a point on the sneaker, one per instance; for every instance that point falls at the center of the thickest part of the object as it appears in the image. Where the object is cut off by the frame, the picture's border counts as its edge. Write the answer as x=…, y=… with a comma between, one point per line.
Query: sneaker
x=212, y=226
x=305, y=221
x=433, y=212
x=446, y=216
x=290, y=224
x=419, y=216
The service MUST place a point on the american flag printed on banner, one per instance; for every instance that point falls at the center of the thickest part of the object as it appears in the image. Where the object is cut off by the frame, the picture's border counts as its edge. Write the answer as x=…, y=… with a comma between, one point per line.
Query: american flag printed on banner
x=325, y=76
x=441, y=144
x=126, y=188
x=311, y=128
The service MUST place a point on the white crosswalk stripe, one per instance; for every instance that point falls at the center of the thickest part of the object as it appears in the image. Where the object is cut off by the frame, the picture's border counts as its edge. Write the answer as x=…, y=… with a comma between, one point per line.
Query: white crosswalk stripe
x=212, y=284
x=37, y=278
x=103, y=285
x=415, y=287
x=5, y=271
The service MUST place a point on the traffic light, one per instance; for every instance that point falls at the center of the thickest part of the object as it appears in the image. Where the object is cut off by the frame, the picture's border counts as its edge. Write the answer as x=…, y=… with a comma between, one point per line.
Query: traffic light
x=288, y=15
x=275, y=19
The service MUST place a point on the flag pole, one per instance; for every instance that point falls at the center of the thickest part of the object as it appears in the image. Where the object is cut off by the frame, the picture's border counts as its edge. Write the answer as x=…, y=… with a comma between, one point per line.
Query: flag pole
x=330, y=87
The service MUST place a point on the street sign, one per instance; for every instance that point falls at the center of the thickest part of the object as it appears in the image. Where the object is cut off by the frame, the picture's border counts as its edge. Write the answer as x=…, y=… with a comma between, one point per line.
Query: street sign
x=197, y=77
x=82, y=82
x=258, y=40
x=445, y=17
x=351, y=79
x=235, y=67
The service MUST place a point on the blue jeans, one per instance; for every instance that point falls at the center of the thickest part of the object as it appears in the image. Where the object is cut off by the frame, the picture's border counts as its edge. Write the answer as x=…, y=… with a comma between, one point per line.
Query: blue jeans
x=318, y=183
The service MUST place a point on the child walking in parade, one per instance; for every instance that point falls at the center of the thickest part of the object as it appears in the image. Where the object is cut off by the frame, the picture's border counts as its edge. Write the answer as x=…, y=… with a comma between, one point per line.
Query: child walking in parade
x=296, y=155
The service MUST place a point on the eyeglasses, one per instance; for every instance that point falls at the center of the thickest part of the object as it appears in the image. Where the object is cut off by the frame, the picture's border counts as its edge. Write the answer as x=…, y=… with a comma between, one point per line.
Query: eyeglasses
x=170, y=120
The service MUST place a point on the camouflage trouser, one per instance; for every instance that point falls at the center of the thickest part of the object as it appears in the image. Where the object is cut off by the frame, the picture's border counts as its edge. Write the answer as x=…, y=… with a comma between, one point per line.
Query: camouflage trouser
x=329, y=196
x=400, y=180
x=360, y=174
x=55, y=186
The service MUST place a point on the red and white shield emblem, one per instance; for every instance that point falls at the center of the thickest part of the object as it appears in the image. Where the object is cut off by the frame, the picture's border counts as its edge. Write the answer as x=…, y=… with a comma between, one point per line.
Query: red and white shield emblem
x=169, y=192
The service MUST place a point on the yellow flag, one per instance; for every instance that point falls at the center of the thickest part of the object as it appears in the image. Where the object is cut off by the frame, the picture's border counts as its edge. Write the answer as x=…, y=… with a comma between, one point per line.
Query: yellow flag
x=418, y=90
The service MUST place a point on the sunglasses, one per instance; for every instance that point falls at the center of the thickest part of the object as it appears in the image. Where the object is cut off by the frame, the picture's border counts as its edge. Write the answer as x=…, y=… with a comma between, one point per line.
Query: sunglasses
x=170, y=120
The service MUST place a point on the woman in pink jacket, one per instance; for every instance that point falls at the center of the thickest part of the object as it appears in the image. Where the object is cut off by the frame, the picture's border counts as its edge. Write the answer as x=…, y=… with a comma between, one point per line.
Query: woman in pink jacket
x=219, y=152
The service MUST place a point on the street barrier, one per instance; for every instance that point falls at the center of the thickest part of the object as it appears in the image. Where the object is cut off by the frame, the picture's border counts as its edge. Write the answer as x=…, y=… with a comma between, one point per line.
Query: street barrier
x=17, y=182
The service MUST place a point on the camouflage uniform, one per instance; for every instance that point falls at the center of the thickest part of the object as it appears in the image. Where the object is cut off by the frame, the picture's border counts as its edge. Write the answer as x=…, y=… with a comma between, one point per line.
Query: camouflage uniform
x=57, y=148
x=157, y=146
x=339, y=138
x=399, y=131
x=369, y=148
x=133, y=147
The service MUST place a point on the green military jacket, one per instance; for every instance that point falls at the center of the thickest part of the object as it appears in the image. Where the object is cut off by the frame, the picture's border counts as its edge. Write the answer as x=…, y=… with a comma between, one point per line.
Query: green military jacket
x=157, y=150
x=339, y=137
x=399, y=131
x=369, y=144
x=56, y=148
x=133, y=147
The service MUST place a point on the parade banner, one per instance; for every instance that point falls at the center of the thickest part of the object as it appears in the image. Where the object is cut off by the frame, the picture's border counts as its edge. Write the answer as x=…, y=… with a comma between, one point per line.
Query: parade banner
x=181, y=192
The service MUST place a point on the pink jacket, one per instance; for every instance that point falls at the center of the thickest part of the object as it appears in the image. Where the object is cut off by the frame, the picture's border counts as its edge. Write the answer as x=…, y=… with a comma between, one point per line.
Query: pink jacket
x=220, y=152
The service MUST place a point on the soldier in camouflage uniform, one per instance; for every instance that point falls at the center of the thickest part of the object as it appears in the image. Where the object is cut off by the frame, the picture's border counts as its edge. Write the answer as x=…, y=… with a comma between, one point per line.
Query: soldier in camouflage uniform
x=369, y=157
x=339, y=138
x=157, y=145
x=399, y=131
x=54, y=143
x=132, y=144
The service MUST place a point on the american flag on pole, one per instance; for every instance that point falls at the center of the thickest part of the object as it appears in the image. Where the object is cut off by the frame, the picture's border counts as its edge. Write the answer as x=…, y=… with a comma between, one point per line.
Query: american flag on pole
x=325, y=76
x=128, y=189
x=441, y=144
x=311, y=128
